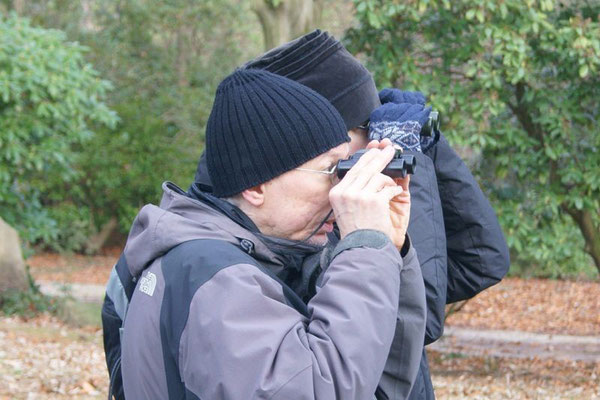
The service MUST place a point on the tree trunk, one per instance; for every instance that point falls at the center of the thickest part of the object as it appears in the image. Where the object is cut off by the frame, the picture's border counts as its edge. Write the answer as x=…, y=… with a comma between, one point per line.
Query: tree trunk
x=591, y=233
x=86, y=22
x=12, y=266
x=19, y=6
x=285, y=20
x=95, y=242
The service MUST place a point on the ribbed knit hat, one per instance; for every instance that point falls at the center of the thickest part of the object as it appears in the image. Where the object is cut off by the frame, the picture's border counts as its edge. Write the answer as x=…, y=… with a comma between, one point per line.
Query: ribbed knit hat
x=321, y=62
x=262, y=125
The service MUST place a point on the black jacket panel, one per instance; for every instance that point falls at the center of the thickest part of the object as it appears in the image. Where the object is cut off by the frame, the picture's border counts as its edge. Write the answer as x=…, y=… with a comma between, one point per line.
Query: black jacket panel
x=426, y=229
x=477, y=252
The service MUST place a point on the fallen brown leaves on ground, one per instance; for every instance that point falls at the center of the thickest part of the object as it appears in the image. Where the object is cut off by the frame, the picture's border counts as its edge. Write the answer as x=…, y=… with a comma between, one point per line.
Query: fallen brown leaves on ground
x=457, y=376
x=534, y=305
x=42, y=358
x=45, y=359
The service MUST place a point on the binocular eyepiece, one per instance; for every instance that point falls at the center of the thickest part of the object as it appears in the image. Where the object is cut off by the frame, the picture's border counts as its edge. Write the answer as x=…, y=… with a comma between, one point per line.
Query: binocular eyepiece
x=400, y=166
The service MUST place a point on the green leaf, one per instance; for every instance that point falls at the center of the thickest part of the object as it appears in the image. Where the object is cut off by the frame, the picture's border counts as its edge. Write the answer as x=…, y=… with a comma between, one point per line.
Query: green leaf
x=550, y=152
x=479, y=15
x=374, y=20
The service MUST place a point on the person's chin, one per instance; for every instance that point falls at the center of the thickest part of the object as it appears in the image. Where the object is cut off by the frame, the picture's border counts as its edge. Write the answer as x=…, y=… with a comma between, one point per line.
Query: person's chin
x=320, y=238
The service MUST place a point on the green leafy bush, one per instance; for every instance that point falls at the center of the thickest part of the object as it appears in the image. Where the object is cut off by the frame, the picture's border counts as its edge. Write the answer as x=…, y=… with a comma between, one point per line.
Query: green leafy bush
x=165, y=60
x=51, y=101
x=518, y=83
x=74, y=227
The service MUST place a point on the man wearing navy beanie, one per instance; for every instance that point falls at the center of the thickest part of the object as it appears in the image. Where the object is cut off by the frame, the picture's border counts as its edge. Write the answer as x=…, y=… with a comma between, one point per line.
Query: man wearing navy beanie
x=459, y=242
x=208, y=283
x=263, y=125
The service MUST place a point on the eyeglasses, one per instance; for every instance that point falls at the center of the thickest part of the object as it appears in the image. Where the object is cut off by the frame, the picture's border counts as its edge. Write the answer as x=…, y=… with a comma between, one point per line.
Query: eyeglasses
x=330, y=172
x=364, y=125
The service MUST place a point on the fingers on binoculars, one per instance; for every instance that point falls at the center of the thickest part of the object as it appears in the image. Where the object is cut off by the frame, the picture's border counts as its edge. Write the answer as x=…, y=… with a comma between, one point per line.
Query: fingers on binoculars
x=370, y=164
x=378, y=182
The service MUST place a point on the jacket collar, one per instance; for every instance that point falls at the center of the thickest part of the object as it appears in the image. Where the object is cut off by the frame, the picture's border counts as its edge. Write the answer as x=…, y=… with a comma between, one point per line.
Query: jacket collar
x=288, y=253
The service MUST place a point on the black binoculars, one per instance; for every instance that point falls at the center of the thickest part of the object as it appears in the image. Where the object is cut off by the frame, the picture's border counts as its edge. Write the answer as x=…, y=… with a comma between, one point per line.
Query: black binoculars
x=400, y=166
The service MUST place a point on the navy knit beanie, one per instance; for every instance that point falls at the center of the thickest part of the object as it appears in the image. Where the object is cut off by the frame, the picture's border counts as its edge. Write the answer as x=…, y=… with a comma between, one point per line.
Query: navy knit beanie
x=322, y=63
x=262, y=125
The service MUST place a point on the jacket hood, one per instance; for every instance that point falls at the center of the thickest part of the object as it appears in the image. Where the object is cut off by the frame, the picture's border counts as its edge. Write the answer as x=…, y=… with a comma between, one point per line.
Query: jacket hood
x=182, y=217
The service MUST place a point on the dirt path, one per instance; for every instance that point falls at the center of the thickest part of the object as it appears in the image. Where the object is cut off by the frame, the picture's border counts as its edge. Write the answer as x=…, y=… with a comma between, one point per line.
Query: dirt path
x=85, y=292
x=518, y=344
x=456, y=340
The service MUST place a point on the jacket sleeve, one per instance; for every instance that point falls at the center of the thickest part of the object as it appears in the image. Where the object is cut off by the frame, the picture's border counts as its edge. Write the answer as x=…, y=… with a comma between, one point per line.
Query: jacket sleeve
x=477, y=252
x=405, y=354
x=242, y=341
x=426, y=230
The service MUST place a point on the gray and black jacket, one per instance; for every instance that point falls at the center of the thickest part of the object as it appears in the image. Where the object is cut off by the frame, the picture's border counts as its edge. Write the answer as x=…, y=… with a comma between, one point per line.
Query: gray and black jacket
x=213, y=314
x=459, y=242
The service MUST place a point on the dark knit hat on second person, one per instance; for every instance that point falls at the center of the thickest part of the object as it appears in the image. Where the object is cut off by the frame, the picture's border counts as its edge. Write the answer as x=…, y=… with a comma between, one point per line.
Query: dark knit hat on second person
x=321, y=62
x=262, y=125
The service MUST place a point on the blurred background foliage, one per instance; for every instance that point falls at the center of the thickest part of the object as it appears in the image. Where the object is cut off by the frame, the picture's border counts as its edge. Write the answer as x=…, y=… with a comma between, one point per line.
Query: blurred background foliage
x=51, y=100
x=164, y=60
x=516, y=82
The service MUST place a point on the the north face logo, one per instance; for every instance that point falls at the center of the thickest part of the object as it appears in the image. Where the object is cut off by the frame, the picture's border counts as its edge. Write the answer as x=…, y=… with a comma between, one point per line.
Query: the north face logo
x=247, y=246
x=148, y=284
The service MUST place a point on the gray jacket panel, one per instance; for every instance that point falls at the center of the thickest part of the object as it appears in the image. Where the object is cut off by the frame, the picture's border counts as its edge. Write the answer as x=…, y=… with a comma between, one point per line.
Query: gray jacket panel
x=397, y=379
x=268, y=349
x=255, y=345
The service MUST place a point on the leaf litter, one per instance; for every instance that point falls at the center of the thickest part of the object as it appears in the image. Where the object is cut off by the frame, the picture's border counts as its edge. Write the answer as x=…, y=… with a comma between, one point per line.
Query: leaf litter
x=44, y=358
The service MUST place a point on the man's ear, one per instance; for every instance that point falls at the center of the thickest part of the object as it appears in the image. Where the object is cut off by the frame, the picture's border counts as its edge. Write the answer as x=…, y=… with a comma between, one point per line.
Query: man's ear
x=255, y=195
